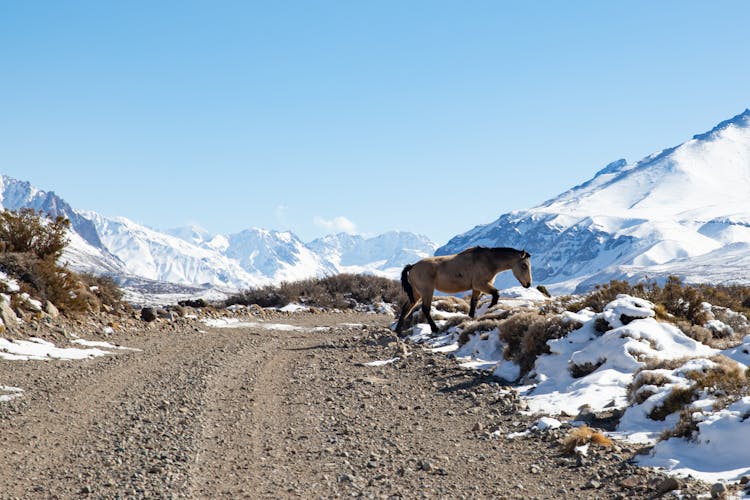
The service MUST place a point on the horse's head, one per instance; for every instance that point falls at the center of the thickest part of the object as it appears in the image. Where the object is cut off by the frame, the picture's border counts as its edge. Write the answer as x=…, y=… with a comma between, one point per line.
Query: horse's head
x=522, y=269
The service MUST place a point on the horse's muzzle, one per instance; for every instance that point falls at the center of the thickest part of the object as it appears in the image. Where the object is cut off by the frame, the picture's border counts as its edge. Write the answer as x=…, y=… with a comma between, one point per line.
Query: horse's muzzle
x=527, y=285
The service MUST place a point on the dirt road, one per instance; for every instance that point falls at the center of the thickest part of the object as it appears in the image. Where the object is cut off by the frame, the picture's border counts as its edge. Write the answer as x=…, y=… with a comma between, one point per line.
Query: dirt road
x=260, y=412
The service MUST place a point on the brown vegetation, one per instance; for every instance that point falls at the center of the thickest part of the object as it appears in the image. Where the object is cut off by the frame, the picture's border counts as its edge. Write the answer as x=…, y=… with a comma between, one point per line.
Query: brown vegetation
x=580, y=436
x=30, y=245
x=680, y=304
x=342, y=291
x=28, y=231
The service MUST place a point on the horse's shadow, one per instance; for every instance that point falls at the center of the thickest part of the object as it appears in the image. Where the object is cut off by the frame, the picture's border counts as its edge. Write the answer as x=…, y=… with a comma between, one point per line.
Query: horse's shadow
x=455, y=381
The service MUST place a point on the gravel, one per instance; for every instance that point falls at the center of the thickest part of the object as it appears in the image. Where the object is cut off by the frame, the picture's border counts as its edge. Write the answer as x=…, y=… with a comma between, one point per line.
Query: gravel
x=256, y=413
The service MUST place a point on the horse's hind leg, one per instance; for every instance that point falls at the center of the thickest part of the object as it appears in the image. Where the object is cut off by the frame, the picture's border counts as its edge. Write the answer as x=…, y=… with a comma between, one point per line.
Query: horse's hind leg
x=406, y=312
x=426, y=305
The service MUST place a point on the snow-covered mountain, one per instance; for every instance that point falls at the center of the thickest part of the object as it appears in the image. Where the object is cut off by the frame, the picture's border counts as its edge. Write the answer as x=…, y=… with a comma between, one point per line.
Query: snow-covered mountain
x=383, y=255
x=85, y=251
x=683, y=211
x=191, y=257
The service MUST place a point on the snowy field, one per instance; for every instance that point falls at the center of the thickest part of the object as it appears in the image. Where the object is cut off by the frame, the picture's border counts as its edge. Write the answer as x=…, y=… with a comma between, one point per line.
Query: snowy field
x=718, y=451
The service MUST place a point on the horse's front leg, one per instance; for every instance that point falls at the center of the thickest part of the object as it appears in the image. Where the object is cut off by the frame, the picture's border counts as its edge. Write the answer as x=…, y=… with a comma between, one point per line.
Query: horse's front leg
x=495, y=297
x=473, y=302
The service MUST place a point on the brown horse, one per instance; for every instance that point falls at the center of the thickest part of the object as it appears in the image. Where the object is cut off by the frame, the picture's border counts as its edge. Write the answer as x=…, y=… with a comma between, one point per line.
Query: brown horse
x=473, y=269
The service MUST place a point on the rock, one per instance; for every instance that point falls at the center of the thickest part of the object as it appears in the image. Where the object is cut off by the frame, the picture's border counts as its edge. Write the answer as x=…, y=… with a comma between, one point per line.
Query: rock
x=745, y=479
x=718, y=490
x=667, y=485
x=50, y=309
x=593, y=485
x=630, y=482
x=164, y=314
x=148, y=314
x=426, y=466
x=346, y=478
x=7, y=315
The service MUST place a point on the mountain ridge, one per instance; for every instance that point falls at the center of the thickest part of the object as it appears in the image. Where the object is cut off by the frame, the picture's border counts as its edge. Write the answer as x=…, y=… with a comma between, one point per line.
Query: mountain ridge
x=192, y=257
x=631, y=220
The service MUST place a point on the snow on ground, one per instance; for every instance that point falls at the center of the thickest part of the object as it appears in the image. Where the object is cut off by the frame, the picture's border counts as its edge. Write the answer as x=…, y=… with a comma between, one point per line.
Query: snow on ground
x=103, y=345
x=7, y=393
x=605, y=364
x=719, y=452
x=382, y=362
x=237, y=323
x=36, y=349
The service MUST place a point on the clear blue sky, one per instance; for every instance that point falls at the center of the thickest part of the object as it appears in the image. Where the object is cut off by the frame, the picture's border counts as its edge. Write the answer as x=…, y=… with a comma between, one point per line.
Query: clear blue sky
x=426, y=116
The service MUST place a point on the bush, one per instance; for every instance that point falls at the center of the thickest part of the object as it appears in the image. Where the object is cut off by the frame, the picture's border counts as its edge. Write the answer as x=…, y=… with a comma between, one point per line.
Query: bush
x=104, y=288
x=28, y=231
x=526, y=336
x=725, y=380
x=674, y=301
x=342, y=291
x=604, y=294
x=71, y=293
x=44, y=279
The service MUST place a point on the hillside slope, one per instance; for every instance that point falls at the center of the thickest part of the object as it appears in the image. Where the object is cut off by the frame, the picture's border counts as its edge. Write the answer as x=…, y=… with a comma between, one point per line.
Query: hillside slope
x=683, y=211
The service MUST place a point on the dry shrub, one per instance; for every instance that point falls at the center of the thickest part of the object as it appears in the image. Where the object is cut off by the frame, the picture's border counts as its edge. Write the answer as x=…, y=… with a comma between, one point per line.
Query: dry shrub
x=604, y=294
x=583, y=369
x=674, y=301
x=30, y=244
x=104, y=289
x=452, y=321
x=45, y=280
x=469, y=328
x=678, y=398
x=580, y=436
x=342, y=291
x=726, y=380
x=68, y=291
x=601, y=325
x=726, y=377
x=451, y=304
x=686, y=427
x=644, y=378
x=664, y=364
x=526, y=336
x=29, y=231
x=695, y=332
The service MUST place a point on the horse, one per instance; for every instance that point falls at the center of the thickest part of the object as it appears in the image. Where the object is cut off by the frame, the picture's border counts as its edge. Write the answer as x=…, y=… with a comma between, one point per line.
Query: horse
x=473, y=269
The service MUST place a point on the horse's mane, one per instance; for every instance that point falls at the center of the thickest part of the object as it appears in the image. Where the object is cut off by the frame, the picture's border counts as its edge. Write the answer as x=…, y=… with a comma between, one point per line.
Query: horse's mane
x=487, y=249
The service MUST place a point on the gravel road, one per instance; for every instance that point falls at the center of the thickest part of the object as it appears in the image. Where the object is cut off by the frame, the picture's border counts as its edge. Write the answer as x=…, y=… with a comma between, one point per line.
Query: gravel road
x=257, y=412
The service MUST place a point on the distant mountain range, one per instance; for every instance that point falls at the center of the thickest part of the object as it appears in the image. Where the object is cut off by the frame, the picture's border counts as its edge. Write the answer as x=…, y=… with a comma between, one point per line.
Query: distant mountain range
x=191, y=259
x=682, y=211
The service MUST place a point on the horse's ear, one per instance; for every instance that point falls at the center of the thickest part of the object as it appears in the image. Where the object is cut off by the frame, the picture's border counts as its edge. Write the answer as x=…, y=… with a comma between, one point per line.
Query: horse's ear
x=525, y=254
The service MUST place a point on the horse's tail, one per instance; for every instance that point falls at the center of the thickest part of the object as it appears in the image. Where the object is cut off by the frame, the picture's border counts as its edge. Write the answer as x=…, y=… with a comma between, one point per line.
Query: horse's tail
x=405, y=282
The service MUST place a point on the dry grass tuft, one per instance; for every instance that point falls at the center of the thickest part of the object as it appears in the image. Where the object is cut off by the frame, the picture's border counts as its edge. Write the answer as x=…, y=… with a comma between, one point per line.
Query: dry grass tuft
x=580, y=436
x=451, y=304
